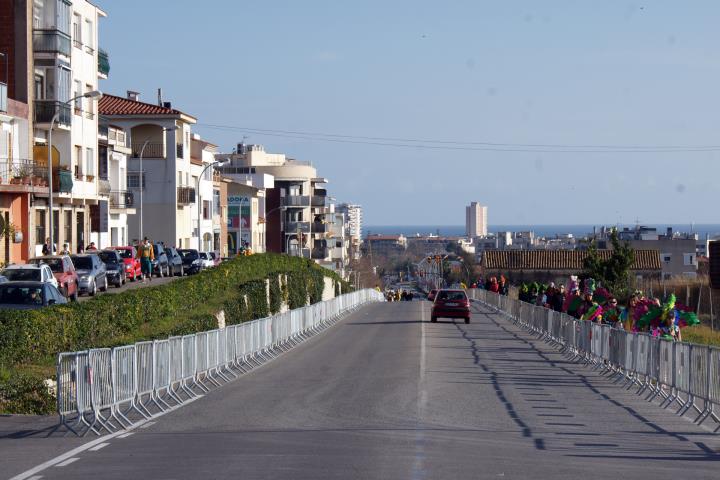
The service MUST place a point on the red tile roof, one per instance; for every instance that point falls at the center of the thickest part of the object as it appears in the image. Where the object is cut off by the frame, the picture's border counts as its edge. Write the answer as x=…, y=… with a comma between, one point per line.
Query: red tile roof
x=546, y=260
x=112, y=105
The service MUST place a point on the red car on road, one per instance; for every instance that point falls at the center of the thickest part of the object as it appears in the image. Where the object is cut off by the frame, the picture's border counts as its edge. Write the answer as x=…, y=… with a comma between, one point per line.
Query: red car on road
x=131, y=262
x=64, y=271
x=451, y=304
x=431, y=295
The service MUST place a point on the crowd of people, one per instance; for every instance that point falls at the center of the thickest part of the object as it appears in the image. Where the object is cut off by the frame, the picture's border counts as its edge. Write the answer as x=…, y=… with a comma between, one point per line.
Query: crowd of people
x=493, y=284
x=585, y=300
x=398, y=295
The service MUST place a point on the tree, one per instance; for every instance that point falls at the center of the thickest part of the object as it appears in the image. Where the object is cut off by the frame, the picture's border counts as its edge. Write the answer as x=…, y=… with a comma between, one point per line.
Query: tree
x=614, y=272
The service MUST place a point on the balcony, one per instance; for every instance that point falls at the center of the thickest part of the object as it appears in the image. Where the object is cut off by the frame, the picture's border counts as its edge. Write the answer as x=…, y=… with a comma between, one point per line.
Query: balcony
x=318, y=227
x=103, y=63
x=152, y=150
x=22, y=175
x=51, y=41
x=317, y=201
x=121, y=199
x=46, y=109
x=62, y=181
x=185, y=195
x=299, y=201
x=291, y=228
x=319, y=253
x=3, y=97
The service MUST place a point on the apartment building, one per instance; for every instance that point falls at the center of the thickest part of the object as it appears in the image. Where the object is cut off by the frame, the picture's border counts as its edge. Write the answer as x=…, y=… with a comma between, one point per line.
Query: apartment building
x=476, y=220
x=160, y=173
x=21, y=178
x=113, y=152
x=354, y=218
x=202, y=156
x=292, y=205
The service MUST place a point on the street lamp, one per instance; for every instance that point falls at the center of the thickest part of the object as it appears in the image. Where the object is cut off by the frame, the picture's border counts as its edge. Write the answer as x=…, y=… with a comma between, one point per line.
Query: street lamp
x=141, y=180
x=93, y=95
x=218, y=163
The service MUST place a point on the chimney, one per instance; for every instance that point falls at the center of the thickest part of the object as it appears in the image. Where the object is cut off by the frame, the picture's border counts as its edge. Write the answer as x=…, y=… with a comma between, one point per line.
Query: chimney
x=160, y=102
x=241, y=148
x=167, y=105
x=134, y=96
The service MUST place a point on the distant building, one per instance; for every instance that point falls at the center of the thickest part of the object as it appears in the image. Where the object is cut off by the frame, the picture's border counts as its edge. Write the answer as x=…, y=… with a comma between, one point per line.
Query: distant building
x=385, y=245
x=678, y=251
x=557, y=265
x=354, y=217
x=476, y=220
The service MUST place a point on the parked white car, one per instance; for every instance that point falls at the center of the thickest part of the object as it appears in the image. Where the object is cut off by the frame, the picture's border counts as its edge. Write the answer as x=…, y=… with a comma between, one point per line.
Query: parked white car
x=207, y=260
x=30, y=273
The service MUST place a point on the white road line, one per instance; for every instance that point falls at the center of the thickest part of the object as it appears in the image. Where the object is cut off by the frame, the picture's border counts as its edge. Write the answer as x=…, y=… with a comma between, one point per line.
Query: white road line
x=418, y=464
x=125, y=435
x=148, y=424
x=68, y=462
x=98, y=447
x=27, y=475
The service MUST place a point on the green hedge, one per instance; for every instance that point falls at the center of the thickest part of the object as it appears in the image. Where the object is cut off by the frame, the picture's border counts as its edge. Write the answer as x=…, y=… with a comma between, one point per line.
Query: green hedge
x=30, y=340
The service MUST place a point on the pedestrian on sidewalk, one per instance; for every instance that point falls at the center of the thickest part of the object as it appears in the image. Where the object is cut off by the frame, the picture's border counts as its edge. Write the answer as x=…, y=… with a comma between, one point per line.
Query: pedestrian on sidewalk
x=146, y=255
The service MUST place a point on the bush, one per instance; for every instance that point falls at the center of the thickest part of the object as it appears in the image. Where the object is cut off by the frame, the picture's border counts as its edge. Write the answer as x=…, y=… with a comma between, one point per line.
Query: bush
x=26, y=393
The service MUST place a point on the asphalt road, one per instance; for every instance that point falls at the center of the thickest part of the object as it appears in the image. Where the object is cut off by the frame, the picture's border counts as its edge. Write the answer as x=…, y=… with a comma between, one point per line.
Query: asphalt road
x=385, y=394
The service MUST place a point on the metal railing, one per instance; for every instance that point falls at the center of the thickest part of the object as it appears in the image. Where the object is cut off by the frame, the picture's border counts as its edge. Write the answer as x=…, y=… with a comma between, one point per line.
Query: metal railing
x=292, y=228
x=108, y=389
x=103, y=62
x=185, y=195
x=152, y=150
x=683, y=375
x=121, y=199
x=46, y=109
x=295, y=201
x=317, y=201
x=22, y=172
x=51, y=41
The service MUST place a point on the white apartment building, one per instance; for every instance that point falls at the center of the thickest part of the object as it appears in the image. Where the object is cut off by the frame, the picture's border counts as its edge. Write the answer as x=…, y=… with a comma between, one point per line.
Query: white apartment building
x=114, y=151
x=67, y=64
x=354, y=218
x=160, y=173
x=202, y=156
x=476, y=220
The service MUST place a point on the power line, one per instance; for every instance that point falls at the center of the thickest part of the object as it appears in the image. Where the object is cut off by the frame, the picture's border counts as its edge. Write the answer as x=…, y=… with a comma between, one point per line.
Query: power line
x=465, y=146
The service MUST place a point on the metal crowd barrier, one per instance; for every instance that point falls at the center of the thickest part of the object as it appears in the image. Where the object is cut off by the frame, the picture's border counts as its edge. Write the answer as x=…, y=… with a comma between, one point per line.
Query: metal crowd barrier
x=683, y=375
x=107, y=389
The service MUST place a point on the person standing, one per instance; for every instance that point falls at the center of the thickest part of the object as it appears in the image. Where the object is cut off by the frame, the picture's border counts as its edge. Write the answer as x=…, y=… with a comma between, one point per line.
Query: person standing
x=46, y=248
x=146, y=255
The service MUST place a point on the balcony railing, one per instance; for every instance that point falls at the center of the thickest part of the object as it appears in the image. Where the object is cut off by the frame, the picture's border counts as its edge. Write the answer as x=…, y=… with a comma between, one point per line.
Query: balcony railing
x=317, y=201
x=319, y=253
x=185, y=195
x=23, y=172
x=121, y=199
x=296, y=201
x=3, y=97
x=51, y=41
x=46, y=109
x=103, y=62
x=152, y=150
x=62, y=181
x=292, y=228
x=180, y=151
x=318, y=227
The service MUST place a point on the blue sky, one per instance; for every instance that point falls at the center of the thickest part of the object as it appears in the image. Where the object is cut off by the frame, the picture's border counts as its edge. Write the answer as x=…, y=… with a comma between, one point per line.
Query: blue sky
x=602, y=73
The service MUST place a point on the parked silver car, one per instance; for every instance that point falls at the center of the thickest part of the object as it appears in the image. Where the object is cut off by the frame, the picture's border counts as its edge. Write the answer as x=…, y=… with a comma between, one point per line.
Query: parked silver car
x=92, y=273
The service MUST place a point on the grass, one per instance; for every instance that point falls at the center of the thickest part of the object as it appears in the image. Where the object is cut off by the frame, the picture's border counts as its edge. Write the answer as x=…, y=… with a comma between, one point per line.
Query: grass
x=701, y=334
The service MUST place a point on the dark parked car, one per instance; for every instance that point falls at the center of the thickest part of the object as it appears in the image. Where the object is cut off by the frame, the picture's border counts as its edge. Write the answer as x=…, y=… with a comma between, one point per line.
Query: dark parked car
x=29, y=295
x=160, y=266
x=92, y=273
x=175, y=261
x=114, y=267
x=191, y=260
x=451, y=304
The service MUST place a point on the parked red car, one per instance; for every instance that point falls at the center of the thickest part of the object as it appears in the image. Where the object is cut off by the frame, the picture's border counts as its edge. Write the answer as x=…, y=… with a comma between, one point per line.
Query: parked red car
x=431, y=295
x=132, y=263
x=451, y=304
x=64, y=271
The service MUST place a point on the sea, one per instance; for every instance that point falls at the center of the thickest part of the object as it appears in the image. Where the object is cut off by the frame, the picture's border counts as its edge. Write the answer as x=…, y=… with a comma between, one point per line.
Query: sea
x=547, y=231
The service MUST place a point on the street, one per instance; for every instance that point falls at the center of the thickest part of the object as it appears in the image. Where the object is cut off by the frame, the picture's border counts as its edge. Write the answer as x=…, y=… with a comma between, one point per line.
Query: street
x=386, y=394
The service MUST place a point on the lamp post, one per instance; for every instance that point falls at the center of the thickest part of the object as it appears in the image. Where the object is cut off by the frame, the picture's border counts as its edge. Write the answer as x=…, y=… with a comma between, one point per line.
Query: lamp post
x=141, y=180
x=93, y=95
x=218, y=163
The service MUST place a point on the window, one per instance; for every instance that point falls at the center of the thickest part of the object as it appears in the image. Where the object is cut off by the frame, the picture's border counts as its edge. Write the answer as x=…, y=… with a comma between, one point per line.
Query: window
x=90, y=162
x=78, y=162
x=88, y=35
x=77, y=33
x=133, y=180
x=180, y=179
x=666, y=257
x=39, y=87
x=78, y=99
x=689, y=259
x=216, y=202
x=207, y=209
x=67, y=227
x=194, y=181
x=40, y=227
x=90, y=104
